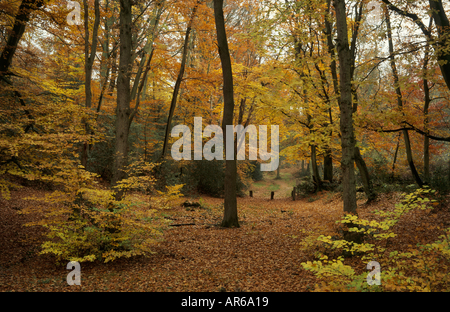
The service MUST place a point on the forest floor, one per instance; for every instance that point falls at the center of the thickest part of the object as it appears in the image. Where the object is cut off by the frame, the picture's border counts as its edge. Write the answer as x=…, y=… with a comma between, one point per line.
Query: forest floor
x=263, y=254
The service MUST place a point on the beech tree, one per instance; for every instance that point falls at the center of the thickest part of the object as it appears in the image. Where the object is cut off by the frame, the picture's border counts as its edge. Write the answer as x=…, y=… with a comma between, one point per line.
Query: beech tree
x=123, y=110
x=346, y=108
x=230, y=218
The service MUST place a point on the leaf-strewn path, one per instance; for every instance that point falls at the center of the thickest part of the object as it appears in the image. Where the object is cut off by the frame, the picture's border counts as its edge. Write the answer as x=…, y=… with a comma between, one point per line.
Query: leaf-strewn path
x=261, y=255
x=264, y=254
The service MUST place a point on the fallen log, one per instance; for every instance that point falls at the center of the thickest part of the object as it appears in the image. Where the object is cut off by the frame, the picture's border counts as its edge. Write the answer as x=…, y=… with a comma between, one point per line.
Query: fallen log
x=182, y=224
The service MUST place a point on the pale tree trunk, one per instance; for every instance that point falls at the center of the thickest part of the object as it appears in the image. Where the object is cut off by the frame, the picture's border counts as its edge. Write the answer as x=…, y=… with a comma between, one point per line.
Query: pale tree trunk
x=104, y=67
x=123, y=111
x=148, y=48
x=230, y=218
x=107, y=59
x=400, y=102
x=346, y=110
x=113, y=79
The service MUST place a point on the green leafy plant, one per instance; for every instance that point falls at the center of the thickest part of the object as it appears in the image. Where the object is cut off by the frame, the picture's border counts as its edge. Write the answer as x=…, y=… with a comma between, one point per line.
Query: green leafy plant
x=428, y=262
x=86, y=223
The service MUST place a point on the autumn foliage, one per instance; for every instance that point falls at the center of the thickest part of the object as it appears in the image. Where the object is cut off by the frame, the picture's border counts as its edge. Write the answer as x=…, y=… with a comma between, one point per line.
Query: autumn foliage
x=360, y=91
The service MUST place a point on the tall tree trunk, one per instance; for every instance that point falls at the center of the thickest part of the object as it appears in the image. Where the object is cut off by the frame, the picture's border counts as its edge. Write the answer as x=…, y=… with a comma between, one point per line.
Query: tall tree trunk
x=106, y=62
x=328, y=166
x=346, y=109
x=360, y=163
x=176, y=89
x=328, y=161
x=396, y=154
x=230, y=218
x=89, y=58
x=368, y=187
x=426, y=105
x=105, y=52
x=123, y=110
x=400, y=101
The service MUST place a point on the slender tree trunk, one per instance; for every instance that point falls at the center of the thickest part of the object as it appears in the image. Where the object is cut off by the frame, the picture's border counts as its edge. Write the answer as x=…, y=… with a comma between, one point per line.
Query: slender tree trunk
x=346, y=109
x=328, y=166
x=360, y=163
x=278, y=169
x=328, y=161
x=315, y=170
x=176, y=89
x=104, y=73
x=123, y=110
x=396, y=154
x=400, y=102
x=427, y=100
x=107, y=59
x=89, y=58
x=148, y=48
x=230, y=218
x=112, y=81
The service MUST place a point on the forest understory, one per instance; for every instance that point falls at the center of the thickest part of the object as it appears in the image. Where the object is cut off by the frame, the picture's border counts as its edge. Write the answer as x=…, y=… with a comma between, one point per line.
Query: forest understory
x=196, y=255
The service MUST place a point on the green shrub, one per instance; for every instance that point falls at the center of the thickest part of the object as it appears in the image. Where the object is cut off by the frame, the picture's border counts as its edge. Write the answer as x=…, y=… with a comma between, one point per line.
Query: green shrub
x=421, y=268
x=87, y=223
